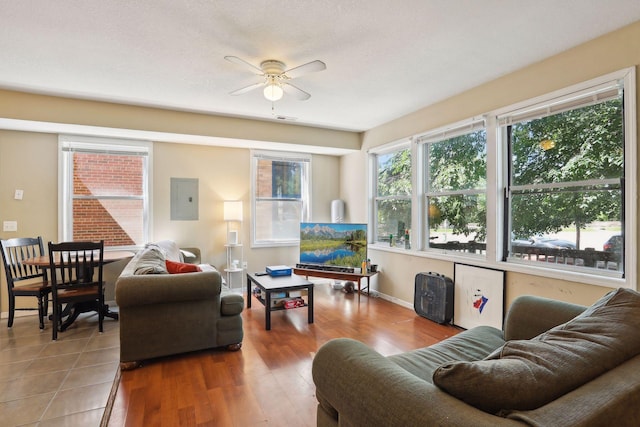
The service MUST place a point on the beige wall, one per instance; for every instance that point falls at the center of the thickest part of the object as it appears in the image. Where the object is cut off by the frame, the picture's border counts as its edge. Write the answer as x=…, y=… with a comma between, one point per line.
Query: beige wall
x=612, y=52
x=29, y=161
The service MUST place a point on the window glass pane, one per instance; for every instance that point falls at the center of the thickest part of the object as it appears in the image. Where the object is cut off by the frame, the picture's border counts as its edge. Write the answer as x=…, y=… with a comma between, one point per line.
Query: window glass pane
x=394, y=218
x=456, y=180
x=279, y=220
x=581, y=144
x=394, y=173
x=118, y=222
x=106, y=174
x=279, y=198
x=107, y=197
x=549, y=227
x=458, y=163
x=457, y=222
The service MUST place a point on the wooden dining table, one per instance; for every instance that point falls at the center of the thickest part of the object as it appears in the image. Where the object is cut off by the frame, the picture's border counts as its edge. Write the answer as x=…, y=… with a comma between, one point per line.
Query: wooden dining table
x=74, y=311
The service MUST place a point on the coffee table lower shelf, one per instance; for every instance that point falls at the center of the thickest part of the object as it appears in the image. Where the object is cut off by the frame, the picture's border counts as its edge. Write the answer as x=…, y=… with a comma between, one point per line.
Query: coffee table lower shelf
x=270, y=285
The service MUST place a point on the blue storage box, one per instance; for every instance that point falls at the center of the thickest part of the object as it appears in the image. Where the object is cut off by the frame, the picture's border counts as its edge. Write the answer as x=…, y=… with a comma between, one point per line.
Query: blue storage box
x=278, y=270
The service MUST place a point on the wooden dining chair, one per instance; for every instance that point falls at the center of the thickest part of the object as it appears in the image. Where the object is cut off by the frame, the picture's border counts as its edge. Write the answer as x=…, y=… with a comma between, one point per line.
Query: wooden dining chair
x=25, y=280
x=76, y=279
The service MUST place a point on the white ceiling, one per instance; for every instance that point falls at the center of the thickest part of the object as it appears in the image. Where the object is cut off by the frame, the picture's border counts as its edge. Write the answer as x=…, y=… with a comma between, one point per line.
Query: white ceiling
x=384, y=59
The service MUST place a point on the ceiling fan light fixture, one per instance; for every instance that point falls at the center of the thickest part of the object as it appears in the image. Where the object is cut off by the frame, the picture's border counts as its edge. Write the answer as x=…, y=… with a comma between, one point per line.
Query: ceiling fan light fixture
x=273, y=92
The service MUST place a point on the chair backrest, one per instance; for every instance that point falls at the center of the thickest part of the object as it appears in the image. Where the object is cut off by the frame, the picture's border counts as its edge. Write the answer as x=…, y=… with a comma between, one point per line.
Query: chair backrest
x=74, y=264
x=15, y=251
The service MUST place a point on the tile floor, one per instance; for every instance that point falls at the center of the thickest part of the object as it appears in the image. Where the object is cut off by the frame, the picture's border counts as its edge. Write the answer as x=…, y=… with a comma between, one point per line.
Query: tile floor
x=56, y=383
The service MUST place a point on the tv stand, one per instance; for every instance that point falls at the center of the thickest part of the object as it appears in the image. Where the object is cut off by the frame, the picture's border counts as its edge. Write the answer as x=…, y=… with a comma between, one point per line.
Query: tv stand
x=337, y=275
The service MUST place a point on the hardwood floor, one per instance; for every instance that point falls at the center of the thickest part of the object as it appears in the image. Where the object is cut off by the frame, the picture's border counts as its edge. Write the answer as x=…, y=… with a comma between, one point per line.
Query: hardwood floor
x=267, y=382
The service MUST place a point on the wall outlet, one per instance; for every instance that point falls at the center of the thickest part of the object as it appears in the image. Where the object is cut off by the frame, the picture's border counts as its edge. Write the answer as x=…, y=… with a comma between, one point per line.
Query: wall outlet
x=18, y=194
x=245, y=265
x=10, y=226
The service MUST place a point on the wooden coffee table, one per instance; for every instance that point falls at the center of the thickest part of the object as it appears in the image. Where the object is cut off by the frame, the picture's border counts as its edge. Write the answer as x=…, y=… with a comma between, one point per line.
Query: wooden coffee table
x=269, y=285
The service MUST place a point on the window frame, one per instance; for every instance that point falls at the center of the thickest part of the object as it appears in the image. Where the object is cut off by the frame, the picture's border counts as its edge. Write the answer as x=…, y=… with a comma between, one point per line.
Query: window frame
x=559, y=100
x=306, y=159
x=442, y=134
x=66, y=145
x=393, y=147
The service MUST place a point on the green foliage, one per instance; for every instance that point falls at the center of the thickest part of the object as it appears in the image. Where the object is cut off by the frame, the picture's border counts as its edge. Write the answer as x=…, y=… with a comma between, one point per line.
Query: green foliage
x=455, y=164
x=394, y=182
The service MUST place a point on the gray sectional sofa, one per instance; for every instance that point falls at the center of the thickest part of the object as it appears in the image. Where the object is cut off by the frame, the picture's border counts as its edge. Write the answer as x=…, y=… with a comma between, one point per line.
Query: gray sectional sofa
x=553, y=364
x=164, y=314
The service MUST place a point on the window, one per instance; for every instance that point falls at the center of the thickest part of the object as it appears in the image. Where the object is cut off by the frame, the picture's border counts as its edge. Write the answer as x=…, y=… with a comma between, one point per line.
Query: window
x=280, y=197
x=104, y=191
x=392, y=200
x=455, y=171
x=565, y=183
x=545, y=187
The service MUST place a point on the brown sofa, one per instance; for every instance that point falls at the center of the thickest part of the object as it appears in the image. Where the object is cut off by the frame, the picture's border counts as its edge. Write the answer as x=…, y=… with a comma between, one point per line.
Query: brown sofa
x=163, y=314
x=554, y=364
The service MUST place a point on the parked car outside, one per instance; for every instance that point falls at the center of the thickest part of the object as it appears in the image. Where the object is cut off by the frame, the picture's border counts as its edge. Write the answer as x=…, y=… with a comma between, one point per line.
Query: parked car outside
x=613, y=244
x=544, y=242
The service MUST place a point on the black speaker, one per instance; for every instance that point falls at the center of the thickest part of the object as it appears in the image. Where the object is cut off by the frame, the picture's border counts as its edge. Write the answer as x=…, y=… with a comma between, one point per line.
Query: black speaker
x=433, y=297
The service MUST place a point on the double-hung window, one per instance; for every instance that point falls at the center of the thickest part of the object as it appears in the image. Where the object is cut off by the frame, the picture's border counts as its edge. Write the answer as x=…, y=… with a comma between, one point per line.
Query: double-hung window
x=280, y=197
x=104, y=191
x=455, y=183
x=565, y=190
x=392, y=195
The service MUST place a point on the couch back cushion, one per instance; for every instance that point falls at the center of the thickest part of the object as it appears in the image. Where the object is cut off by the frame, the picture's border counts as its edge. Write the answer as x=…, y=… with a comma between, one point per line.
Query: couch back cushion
x=527, y=374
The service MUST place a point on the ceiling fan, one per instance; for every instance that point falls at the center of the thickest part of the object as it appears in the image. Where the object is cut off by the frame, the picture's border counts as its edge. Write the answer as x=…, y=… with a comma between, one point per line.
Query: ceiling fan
x=276, y=79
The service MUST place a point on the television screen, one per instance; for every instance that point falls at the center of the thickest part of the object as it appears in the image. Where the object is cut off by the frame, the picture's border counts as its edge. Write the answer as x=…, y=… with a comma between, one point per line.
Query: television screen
x=336, y=244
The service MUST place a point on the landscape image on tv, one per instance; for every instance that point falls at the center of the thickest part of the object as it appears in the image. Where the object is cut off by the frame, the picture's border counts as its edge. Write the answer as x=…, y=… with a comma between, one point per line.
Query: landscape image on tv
x=333, y=244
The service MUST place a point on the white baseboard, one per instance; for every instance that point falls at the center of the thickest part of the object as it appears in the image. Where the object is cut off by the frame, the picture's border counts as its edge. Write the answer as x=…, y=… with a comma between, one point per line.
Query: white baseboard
x=394, y=300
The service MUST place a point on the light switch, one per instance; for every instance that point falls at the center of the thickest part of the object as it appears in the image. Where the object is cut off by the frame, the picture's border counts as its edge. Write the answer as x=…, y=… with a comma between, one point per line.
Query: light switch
x=18, y=195
x=10, y=226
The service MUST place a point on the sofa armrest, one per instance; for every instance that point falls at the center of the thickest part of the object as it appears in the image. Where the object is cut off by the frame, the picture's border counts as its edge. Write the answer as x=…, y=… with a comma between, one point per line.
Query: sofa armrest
x=365, y=388
x=529, y=316
x=137, y=290
x=191, y=255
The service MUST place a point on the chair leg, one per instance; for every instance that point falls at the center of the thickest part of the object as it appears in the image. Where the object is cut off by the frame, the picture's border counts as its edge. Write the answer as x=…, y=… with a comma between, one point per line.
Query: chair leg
x=40, y=312
x=46, y=306
x=101, y=314
x=56, y=315
x=12, y=309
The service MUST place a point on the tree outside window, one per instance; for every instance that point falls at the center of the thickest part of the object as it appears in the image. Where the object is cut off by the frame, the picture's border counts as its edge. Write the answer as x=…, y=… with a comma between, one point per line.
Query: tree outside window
x=393, y=197
x=456, y=211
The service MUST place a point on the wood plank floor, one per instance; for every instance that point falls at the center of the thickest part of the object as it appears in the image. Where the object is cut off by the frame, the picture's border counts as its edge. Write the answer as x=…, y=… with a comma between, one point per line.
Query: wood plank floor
x=268, y=382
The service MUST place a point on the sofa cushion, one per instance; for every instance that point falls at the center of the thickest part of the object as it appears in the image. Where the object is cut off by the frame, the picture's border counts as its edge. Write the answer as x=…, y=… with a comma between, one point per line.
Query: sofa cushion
x=150, y=260
x=174, y=267
x=527, y=374
x=473, y=344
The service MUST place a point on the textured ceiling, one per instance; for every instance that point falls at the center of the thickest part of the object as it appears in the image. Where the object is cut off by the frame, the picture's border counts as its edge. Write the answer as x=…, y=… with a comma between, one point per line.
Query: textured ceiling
x=384, y=59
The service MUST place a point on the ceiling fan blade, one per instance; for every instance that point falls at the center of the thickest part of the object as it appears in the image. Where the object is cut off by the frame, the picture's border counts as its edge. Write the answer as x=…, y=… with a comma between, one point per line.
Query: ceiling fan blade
x=309, y=67
x=242, y=62
x=246, y=89
x=296, y=92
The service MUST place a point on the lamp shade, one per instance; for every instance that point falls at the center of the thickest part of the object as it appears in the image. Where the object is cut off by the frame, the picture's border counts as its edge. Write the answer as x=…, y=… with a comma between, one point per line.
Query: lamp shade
x=233, y=210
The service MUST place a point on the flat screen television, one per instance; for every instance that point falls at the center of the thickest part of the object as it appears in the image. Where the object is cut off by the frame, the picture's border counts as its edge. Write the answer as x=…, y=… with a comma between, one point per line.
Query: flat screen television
x=334, y=244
